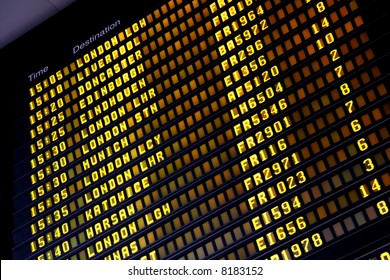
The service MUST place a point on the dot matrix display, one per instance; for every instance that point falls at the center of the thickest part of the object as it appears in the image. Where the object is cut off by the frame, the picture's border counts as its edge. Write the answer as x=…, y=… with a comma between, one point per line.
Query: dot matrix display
x=211, y=130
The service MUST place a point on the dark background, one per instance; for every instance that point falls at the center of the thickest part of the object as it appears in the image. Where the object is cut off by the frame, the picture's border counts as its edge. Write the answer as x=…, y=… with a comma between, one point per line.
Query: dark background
x=51, y=44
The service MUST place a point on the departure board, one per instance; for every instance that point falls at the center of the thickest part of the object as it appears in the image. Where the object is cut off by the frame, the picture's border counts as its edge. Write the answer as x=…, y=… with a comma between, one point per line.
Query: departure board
x=204, y=129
